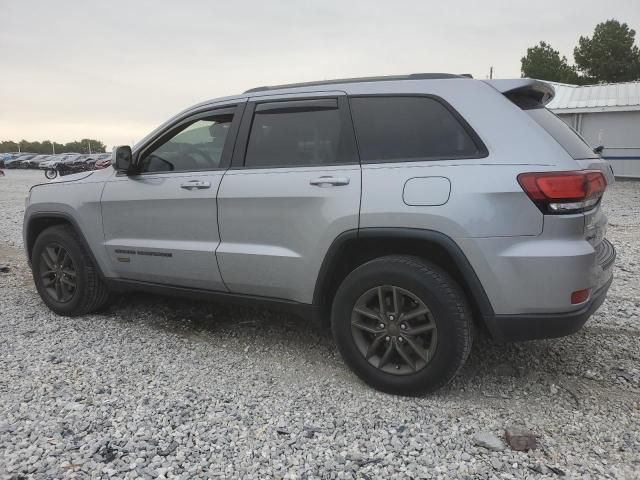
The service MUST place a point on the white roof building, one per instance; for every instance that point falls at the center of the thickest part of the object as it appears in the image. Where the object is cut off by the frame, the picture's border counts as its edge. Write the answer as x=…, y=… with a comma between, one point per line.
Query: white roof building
x=604, y=97
x=607, y=114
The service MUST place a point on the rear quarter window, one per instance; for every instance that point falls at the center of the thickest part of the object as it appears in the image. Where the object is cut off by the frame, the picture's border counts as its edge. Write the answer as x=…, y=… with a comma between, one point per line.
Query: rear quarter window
x=408, y=128
x=562, y=133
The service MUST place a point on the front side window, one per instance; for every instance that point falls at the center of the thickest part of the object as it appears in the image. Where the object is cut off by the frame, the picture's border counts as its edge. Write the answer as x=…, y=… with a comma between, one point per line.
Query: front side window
x=295, y=137
x=395, y=129
x=196, y=146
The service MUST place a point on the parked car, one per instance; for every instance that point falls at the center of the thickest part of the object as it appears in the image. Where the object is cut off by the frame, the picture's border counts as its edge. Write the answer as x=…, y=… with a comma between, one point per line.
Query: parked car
x=16, y=161
x=56, y=159
x=103, y=162
x=407, y=211
x=3, y=157
x=49, y=162
x=34, y=162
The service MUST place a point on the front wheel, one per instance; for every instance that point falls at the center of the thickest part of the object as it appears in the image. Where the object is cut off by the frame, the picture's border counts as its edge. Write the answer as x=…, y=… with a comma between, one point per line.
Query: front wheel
x=50, y=173
x=65, y=274
x=402, y=324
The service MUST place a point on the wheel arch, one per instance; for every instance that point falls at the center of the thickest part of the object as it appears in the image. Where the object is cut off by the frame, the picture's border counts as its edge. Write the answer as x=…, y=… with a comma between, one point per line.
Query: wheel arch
x=40, y=221
x=355, y=247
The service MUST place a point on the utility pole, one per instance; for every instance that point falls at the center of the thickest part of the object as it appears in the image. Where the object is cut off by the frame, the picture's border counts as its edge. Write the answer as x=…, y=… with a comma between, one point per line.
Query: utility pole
x=53, y=146
x=490, y=73
x=89, y=142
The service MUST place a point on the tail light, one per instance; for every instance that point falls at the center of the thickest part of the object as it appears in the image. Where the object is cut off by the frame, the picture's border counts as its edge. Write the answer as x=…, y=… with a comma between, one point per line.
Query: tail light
x=564, y=192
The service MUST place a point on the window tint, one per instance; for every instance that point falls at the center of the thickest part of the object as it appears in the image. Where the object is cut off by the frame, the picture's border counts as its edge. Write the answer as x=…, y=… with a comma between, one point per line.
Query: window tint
x=408, y=128
x=566, y=136
x=197, y=146
x=294, y=138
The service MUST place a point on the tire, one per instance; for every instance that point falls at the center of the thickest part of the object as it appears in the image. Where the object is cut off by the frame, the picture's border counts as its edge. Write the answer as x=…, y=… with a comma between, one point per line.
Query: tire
x=90, y=292
x=50, y=173
x=417, y=286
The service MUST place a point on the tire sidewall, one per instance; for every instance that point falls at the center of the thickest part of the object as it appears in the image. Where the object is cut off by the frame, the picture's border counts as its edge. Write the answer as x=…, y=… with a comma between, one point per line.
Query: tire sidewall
x=73, y=249
x=433, y=293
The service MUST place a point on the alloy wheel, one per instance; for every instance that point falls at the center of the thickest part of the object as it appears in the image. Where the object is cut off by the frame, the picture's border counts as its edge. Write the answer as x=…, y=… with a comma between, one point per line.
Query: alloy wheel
x=394, y=330
x=58, y=273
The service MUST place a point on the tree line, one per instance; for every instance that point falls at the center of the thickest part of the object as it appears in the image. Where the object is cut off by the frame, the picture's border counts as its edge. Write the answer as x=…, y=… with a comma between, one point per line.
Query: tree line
x=48, y=147
x=608, y=56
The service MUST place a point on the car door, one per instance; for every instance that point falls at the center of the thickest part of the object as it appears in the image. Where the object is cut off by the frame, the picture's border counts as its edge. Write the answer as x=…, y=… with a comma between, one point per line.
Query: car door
x=160, y=224
x=294, y=186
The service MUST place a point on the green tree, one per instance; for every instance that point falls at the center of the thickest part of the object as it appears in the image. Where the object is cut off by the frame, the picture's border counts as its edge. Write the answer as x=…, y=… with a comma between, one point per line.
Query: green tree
x=83, y=146
x=610, y=55
x=544, y=63
x=46, y=147
x=7, y=146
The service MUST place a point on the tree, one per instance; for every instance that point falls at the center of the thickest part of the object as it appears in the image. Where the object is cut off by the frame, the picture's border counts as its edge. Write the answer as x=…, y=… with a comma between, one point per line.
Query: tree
x=610, y=55
x=544, y=63
x=46, y=147
x=7, y=146
x=83, y=145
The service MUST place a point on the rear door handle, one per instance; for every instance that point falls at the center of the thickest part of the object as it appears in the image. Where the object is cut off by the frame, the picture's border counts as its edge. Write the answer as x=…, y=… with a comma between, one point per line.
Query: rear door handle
x=195, y=185
x=328, y=181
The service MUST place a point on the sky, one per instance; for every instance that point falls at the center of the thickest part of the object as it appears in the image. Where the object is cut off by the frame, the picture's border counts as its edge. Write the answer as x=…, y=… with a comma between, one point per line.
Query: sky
x=114, y=70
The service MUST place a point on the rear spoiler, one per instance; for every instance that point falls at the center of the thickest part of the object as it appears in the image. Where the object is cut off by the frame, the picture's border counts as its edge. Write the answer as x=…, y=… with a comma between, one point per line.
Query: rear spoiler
x=536, y=90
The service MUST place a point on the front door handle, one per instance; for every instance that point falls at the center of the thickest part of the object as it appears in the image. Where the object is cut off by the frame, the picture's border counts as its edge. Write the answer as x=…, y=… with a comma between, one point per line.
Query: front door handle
x=328, y=181
x=195, y=185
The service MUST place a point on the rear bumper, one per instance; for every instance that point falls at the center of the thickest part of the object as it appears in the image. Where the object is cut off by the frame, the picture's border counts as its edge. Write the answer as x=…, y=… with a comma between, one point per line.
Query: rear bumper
x=515, y=328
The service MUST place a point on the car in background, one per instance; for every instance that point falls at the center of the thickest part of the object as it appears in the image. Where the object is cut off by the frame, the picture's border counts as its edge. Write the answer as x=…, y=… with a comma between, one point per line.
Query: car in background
x=34, y=162
x=63, y=157
x=53, y=161
x=15, y=161
x=6, y=156
x=71, y=158
x=103, y=162
x=49, y=162
x=93, y=158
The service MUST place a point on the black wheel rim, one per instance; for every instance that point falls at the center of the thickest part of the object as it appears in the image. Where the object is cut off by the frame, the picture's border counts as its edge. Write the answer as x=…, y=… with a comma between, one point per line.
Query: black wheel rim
x=58, y=273
x=394, y=330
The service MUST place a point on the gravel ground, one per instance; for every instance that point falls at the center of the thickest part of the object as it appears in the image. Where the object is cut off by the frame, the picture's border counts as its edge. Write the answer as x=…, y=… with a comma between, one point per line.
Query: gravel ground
x=156, y=388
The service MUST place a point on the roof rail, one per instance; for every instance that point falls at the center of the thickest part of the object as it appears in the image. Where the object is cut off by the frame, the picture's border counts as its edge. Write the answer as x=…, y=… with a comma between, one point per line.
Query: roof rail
x=413, y=76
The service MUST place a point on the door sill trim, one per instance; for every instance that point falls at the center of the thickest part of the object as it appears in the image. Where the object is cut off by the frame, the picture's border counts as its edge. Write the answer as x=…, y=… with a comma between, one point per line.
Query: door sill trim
x=304, y=310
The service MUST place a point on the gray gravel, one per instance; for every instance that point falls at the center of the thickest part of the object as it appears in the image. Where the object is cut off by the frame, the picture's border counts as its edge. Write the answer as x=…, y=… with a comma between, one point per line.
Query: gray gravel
x=158, y=388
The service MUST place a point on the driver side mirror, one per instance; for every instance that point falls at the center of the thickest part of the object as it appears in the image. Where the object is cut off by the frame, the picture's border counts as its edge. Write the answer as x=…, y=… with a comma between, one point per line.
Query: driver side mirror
x=122, y=158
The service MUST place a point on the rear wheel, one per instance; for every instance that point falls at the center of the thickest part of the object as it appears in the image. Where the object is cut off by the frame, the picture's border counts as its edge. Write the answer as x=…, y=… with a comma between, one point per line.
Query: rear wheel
x=402, y=325
x=50, y=173
x=64, y=273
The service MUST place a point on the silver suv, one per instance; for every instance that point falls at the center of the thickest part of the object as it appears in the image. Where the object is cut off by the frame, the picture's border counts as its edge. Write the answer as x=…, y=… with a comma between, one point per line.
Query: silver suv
x=406, y=211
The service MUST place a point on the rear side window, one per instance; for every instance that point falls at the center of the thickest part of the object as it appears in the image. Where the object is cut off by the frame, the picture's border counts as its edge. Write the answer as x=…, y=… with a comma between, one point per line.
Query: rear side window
x=409, y=129
x=562, y=133
x=294, y=136
x=566, y=136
